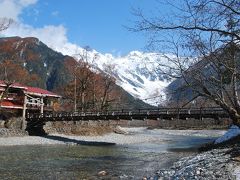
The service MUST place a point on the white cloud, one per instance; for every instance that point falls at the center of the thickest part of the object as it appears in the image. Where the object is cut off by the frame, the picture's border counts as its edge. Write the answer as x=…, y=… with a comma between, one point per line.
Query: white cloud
x=9, y=9
x=54, y=36
x=13, y=8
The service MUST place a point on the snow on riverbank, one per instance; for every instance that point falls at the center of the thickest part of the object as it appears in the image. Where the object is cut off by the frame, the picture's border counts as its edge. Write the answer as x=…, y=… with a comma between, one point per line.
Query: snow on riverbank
x=232, y=132
x=133, y=136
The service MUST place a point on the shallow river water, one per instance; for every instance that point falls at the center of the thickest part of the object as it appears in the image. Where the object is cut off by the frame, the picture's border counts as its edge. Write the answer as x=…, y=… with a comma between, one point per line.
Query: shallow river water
x=129, y=161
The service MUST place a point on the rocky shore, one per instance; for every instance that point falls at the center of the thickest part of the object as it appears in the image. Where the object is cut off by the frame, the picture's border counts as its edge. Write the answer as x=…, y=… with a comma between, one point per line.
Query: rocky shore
x=5, y=132
x=219, y=161
x=214, y=164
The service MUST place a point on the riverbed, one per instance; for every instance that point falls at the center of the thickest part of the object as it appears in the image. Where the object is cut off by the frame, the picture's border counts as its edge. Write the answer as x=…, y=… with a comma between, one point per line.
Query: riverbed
x=140, y=152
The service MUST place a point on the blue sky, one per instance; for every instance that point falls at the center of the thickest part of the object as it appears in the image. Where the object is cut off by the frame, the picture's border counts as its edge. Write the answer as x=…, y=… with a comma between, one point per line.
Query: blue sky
x=96, y=23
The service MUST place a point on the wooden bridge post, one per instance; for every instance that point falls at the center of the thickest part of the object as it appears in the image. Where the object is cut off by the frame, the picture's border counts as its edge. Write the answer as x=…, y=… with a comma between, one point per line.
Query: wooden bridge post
x=24, y=112
x=24, y=106
x=200, y=113
x=42, y=104
x=178, y=113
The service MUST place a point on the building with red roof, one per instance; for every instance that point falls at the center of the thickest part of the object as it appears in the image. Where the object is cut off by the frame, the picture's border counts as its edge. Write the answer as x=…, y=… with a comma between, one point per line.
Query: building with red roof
x=22, y=99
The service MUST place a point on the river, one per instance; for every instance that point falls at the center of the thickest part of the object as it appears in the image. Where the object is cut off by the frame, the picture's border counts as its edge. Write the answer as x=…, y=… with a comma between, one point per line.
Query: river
x=125, y=161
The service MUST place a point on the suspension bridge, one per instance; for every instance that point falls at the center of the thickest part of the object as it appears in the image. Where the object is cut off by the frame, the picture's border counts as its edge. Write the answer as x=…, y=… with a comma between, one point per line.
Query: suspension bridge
x=35, y=122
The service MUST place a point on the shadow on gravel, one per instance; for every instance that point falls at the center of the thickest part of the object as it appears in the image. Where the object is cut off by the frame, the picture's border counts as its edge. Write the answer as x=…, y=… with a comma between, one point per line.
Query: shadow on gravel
x=78, y=142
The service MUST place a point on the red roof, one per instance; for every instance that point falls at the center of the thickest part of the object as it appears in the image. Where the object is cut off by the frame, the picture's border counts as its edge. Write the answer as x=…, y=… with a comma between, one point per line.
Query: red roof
x=32, y=90
x=9, y=104
x=16, y=85
x=39, y=91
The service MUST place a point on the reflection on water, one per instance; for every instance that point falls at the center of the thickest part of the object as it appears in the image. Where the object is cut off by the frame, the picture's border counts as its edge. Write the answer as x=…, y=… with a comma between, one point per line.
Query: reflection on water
x=84, y=162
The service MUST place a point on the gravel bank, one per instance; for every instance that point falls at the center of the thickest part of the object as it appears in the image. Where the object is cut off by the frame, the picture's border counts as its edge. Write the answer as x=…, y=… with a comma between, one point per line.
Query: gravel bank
x=215, y=164
x=5, y=132
x=132, y=136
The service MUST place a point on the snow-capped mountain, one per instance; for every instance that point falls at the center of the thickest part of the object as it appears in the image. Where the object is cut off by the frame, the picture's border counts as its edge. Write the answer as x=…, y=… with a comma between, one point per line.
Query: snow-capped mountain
x=138, y=73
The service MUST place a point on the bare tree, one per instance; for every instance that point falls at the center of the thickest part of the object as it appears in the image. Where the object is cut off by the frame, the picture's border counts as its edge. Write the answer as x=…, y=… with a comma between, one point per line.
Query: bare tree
x=80, y=87
x=201, y=38
x=4, y=24
x=108, y=81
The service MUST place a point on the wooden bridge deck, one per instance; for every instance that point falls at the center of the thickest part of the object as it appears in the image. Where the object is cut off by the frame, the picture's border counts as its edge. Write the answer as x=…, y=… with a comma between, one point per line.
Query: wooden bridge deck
x=140, y=114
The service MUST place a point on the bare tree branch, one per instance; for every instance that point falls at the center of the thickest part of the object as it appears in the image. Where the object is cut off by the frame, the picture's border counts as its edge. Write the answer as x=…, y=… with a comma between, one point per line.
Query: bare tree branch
x=208, y=31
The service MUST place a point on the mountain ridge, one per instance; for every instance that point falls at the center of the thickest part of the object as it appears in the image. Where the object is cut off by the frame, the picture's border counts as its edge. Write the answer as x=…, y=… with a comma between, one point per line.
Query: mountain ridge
x=49, y=65
x=138, y=73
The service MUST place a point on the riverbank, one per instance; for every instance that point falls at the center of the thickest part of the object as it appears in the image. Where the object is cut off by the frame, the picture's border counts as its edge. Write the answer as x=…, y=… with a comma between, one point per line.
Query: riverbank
x=131, y=136
x=219, y=161
x=214, y=164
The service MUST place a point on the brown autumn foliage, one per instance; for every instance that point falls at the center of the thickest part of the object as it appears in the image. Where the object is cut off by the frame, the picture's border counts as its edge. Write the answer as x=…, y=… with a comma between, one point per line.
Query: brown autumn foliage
x=16, y=49
x=10, y=73
x=14, y=72
x=91, y=91
x=104, y=85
